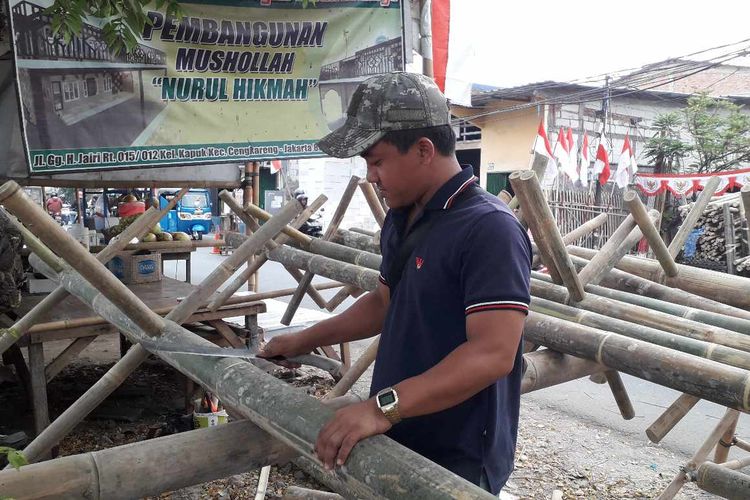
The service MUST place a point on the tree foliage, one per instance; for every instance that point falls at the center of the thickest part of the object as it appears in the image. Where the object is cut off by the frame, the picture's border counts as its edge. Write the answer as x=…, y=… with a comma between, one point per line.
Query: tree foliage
x=717, y=133
x=124, y=20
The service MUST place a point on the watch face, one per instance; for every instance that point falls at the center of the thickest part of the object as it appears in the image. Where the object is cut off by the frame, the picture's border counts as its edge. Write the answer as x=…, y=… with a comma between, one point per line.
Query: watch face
x=386, y=399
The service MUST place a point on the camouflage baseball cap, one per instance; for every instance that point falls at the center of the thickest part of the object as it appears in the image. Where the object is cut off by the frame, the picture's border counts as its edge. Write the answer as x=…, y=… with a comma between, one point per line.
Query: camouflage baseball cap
x=393, y=101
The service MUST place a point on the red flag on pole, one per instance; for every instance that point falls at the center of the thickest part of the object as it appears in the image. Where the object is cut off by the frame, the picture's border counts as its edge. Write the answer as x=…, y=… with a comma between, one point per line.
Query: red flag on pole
x=601, y=166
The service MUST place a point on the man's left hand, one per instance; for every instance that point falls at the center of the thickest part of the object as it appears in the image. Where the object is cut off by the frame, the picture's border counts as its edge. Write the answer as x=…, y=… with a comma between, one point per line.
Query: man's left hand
x=349, y=426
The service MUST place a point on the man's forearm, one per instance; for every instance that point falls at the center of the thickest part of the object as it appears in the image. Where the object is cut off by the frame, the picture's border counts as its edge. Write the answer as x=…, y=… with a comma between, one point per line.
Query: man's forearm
x=362, y=320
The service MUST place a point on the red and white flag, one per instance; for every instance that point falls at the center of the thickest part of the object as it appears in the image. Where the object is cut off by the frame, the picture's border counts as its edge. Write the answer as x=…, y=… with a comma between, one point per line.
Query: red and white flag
x=583, y=165
x=542, y=147
x=562, y=151
x=275, y=166
x=601, y=165
x=626, y=165
x=571, y=168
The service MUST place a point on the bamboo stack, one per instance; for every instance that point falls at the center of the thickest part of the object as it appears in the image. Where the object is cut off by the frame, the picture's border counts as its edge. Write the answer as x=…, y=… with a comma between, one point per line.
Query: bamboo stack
x=723, y=237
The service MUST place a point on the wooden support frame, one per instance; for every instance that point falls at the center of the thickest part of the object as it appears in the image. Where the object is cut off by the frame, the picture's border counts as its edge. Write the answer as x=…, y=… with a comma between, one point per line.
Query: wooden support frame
x=64, y=358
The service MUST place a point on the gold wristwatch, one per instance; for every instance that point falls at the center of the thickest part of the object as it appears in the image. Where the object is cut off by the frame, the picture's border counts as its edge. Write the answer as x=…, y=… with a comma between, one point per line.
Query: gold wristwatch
x=387, y=400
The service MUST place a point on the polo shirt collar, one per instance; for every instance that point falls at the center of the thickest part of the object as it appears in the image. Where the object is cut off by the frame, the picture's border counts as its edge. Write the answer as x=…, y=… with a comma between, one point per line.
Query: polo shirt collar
x=444, y=197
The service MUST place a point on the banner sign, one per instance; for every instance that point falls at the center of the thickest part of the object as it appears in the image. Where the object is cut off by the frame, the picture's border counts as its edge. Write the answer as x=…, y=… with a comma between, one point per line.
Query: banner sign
x=686, y=184
x=231, y=80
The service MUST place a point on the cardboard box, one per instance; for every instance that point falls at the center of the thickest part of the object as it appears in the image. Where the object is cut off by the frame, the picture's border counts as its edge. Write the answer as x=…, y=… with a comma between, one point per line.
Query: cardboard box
x=132, y=269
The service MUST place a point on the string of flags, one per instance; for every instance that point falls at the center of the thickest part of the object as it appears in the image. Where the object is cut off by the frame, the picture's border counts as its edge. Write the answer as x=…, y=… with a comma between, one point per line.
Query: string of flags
x=565, y=158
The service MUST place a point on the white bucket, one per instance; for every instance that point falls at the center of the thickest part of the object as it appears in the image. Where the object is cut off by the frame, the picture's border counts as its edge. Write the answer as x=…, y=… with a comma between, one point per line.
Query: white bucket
x=80, y=233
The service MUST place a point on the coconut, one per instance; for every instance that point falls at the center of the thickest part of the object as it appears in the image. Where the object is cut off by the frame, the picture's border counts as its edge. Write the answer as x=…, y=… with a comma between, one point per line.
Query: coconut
x=164, y=237
x=180, y=236
x=149, y=238
x=157, y=229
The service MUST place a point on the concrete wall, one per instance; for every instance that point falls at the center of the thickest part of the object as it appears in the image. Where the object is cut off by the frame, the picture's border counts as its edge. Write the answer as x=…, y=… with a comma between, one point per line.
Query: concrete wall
x=330, y=176
x=507, y=137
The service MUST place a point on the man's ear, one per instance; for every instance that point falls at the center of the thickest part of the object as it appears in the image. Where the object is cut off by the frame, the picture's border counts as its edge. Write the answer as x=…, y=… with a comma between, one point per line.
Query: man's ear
x=425, y=150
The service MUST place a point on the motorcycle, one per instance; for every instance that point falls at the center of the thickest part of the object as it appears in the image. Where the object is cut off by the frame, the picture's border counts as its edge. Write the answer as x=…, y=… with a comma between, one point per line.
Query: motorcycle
x=313, y=226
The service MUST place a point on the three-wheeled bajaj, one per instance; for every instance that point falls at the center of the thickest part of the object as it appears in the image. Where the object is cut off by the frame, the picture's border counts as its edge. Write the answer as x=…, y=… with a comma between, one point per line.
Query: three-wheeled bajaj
x=191, y=215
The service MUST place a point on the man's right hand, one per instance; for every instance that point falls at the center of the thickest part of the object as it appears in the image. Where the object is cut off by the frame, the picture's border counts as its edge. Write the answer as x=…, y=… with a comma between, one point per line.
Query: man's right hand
x=287, y=345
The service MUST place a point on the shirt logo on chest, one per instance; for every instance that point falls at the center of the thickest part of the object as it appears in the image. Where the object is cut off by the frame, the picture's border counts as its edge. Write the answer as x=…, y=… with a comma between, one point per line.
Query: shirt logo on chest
x=420, y=261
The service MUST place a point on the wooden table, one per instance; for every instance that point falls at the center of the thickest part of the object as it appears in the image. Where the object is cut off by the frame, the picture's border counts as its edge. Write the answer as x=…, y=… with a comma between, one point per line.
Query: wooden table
x=74, y=321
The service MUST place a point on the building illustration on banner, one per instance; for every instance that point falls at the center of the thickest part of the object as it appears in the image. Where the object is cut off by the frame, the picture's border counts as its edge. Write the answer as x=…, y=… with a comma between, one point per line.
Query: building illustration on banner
x=77, y=93
x=235, y=81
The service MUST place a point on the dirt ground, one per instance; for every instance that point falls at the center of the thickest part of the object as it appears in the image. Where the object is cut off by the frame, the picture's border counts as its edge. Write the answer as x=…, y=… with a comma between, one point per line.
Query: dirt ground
x=555, y=451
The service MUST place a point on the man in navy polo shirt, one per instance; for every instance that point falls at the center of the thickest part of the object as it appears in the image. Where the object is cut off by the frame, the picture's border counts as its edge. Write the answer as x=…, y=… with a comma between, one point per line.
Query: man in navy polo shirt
x=451, y=307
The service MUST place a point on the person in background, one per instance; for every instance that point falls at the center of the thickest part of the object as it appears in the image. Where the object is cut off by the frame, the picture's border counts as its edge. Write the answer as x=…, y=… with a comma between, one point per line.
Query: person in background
x=54, y=205
x=452, y=297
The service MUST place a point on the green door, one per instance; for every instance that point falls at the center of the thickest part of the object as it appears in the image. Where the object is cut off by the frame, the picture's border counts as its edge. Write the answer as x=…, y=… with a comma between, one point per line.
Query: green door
x=267, y=182
x=496, y=182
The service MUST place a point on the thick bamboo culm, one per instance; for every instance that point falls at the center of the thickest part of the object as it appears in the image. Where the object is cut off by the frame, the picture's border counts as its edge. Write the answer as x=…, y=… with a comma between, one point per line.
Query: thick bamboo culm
x=377, y=467
x=695, y=213
x=740, y=325
x=356, y=240
x=547, y=368
x=661, y=252
x=696, y=347
x=722, y=287
x=707, y=379
x=129, y=471
x=624, y=281
x=543, y=227
x=137, y=354
x=722, y=481
x=643, y=316
x=338, y=216
x=372, y=200
x=240, y=280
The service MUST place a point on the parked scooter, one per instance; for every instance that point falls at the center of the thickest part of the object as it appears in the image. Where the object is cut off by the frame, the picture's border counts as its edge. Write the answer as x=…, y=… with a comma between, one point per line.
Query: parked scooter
x=313, y=226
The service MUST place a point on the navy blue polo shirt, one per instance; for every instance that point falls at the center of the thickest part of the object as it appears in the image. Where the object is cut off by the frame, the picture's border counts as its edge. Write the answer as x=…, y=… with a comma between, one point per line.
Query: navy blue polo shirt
x=475, y=257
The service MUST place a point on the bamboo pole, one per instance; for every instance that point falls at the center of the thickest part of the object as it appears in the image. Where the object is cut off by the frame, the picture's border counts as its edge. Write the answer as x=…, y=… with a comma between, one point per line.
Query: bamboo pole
x=638, y=211
x=137, y=354
x=740, y=325
x=295, y=234
x=547, y=368
x=745, y=195
x=336, y=219
x=355, y=371
x=136, y=229
x=676, y=341
x=725, y=442
x=149, y=467
x=610, y=253
x=372, y=200
x=722, y=287
x=671, y=417
x=377, y=467
x=722, y=384
x=355, y=240
x=341, y=296
x=583, y=230
x=723, y=481
x=298, y=493
x=646, y=317
x=235, y=285
x=543, y=227
x=692, y=218
x=638, y=285
x=700, y=456
x=617, y=386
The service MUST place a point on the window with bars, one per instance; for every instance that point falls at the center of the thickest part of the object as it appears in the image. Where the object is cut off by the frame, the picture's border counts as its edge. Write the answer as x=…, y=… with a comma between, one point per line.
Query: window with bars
x=71, y=91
